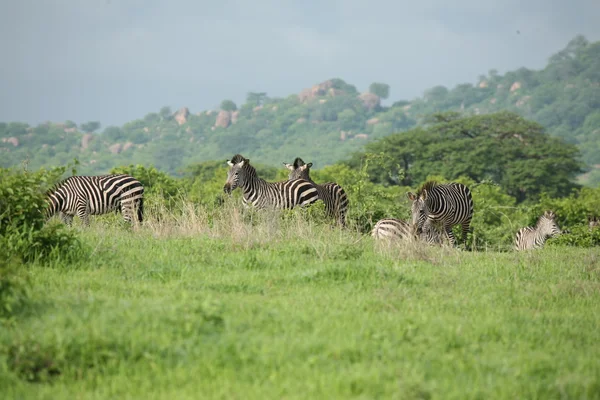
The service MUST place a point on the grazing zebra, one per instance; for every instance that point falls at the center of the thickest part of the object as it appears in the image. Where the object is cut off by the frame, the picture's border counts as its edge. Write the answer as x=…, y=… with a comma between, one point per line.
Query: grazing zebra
x=593, y=222
x=443, y=205
x=263, y=194
x=95, y=195
x=534, y=237
x=392, y=229
x=332, y=194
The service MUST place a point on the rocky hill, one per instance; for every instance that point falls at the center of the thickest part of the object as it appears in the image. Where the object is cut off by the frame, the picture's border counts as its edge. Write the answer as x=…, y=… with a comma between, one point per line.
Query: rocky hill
x=324, y=123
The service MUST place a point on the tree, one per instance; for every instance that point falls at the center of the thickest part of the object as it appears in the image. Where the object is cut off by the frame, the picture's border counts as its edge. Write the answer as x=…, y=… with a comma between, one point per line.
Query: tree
x=503, y=148
x=380, y=89
x=256, y=99
x=228, y=105
x=165, y=113
x=90, y=126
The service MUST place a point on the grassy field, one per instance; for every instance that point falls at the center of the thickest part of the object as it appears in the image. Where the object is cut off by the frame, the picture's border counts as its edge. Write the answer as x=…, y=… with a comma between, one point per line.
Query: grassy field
x=194, y=307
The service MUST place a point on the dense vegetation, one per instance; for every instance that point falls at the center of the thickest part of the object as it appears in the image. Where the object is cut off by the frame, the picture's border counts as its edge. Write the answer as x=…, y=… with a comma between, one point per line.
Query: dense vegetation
x=211, y=299
x=325, y=123
x=208, y=297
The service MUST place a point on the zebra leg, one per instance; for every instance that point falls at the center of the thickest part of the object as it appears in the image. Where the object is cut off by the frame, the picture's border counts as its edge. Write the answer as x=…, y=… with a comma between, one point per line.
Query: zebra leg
x=67, y=219
x=450, y=234
x=83, y=214
x=466, y=228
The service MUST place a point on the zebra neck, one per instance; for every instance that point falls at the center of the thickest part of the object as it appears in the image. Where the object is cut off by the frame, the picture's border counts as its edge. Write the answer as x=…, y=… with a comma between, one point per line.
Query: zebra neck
x=252, y=188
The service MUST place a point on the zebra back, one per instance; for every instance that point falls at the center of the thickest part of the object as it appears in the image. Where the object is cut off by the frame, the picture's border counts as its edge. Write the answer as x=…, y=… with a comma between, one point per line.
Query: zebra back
x=333, y=195
x=263, y=194
x=392, y=228
x=95, y=195
x=528, y=238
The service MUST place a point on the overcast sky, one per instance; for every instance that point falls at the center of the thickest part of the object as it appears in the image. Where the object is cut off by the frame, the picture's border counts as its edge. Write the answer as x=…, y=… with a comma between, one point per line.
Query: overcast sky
x=117, y=60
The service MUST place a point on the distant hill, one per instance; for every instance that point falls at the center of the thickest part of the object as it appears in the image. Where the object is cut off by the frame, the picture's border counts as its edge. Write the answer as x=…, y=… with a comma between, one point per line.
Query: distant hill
x=324, y=123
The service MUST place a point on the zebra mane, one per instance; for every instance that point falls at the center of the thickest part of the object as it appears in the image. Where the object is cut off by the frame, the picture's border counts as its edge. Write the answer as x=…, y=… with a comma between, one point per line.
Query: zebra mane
x=238, y=158
x=427, y=186
x=55, y=187
x=298, y=162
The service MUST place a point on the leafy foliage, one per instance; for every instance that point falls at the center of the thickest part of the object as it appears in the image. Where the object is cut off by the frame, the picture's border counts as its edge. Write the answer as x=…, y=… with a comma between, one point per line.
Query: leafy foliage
x=23, y=230
x=502, y=148
x=327, y=122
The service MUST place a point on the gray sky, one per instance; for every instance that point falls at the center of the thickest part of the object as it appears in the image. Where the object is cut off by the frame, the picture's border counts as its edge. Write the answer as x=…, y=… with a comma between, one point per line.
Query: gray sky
x=117, y=60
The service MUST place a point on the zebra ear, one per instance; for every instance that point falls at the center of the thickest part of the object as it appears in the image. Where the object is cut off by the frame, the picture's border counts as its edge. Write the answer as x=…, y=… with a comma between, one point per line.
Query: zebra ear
x=411, y=196
x=289, y=166
x=549, y=214
x=229, y=163
x=424, y=194
x=309, y=165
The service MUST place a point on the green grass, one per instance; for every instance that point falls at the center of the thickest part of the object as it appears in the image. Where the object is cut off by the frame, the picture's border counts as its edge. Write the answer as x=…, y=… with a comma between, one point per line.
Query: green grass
x=190, y=309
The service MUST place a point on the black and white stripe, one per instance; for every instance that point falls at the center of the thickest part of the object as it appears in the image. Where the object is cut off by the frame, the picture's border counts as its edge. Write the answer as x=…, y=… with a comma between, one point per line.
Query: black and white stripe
x=529, y=238
x=397, y=229
x=440, y=206
x=262, y=194
x=392, y=229
x=332, y=194
x=95, y=195
x=593, y=222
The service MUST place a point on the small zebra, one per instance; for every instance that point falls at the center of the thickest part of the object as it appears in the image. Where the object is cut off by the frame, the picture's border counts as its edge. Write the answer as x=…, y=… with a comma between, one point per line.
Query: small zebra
x=593, y=222
x=444, y=205
x=95, y=195
x=534, y=237
x=332, y=194
x=262, y=194
x=392, y=228
x=397, y=229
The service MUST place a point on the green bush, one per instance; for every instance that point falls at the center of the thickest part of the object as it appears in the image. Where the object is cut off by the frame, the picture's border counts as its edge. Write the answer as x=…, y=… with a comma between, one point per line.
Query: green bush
x=13, y=285
x=23, y=229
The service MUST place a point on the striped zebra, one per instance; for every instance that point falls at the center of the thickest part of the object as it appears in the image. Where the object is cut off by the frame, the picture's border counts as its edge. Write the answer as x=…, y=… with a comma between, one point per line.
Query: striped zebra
x=95, y=195
x=332, y=194
x=441, y=206
x=391, y=229
x=262, y=194
x=529, y=238
x=397, y=229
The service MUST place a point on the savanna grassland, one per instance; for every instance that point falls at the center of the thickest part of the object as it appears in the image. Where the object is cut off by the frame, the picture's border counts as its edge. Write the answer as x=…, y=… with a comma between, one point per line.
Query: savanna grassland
x=221, y=304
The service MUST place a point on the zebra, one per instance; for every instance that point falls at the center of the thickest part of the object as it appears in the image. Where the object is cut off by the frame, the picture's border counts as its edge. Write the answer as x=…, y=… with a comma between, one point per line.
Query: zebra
x=534, y=237
x=441, y=206
x=95, y=195
x=262, y=194
x=593, y=222
x=392, y=229
x=332, y=194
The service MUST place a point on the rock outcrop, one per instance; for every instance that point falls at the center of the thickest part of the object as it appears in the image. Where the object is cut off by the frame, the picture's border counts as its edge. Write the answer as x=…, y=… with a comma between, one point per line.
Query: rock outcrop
x=223, y=119
x=181, y=116
x=370, y=101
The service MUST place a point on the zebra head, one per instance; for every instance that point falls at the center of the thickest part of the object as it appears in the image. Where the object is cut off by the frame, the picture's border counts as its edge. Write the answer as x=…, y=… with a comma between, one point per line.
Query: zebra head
x=55, y=199
x=298, y=170
x=236, y=173
x=418, y=210
x=547, y=225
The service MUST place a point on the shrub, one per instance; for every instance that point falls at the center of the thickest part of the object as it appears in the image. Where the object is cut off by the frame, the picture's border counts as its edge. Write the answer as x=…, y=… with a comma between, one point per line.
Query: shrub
x=13, y=285
x=23, y=231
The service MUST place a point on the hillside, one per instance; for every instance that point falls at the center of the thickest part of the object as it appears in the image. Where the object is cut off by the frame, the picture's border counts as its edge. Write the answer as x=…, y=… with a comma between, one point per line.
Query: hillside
x=324, y=123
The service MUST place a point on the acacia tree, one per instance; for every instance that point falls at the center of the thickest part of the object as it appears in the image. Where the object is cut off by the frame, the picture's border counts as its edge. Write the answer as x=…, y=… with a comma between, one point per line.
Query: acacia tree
x=503, y=148
x=90, y=126
x=380, y=89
